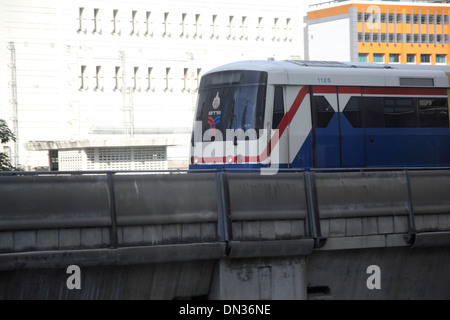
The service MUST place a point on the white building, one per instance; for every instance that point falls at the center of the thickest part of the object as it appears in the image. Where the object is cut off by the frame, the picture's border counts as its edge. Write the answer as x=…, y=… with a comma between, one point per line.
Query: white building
x=96, y=84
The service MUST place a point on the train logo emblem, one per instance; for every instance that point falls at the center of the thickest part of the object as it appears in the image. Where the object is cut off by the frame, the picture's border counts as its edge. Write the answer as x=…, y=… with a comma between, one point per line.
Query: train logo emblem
x=212, y=124
x=216, y=102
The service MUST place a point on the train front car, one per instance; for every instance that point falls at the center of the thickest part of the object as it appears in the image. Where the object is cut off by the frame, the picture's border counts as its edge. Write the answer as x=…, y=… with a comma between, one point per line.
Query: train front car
x=229, y=127
x=313, y=114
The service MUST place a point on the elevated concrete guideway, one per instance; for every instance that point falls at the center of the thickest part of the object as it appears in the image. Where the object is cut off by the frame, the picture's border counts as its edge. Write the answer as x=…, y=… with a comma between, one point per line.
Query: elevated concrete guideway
x=226, y=235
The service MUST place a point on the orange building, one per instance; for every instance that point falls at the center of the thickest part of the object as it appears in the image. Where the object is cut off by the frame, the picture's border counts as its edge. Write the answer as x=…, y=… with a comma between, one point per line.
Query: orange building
x=383, y=32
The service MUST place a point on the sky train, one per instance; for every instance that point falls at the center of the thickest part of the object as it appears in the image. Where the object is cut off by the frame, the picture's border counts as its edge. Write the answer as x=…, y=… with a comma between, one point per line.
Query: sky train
x=319, y=114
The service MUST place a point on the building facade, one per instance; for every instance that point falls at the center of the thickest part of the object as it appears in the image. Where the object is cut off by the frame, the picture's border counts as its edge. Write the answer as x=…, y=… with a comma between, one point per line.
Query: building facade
x=382, y=32
x=96, y=84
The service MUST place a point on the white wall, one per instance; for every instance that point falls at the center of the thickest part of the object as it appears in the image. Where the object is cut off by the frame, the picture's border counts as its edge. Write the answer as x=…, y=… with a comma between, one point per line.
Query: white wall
x=330, y=40
x=51, y=51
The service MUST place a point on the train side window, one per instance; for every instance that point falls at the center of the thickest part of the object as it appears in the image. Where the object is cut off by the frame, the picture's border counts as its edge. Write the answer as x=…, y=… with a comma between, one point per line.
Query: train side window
x=433, y=113
x=324, y=111
x=278, y=107
x=352, y=112
x=373, y=112
x=399, y=113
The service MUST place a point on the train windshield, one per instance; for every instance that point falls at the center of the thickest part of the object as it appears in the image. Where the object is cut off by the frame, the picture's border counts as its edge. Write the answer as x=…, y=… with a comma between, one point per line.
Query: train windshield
x=230, y=100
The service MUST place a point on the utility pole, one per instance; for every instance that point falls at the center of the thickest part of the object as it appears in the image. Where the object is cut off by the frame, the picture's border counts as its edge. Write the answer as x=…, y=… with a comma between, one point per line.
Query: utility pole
x=127, y=105
x=15, y=117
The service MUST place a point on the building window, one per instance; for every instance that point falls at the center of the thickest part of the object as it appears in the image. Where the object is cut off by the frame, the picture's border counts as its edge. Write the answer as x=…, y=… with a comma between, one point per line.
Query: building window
x=134, y=23
x=425, y=58
x=391, y=18
x=136, y=79
x=360, y=17
x=363, y=57
x=408, y=18
x=424, y=38
x=391, y=38
x=288, y=30
x=98, y=79
x=186, y=80
x=423, y=19
x=260, y=29
x=83, y=78
x=184, y=32
x=97, y=28
x=244, y=29
x=441, y=59
x=231, y=28
x=149, y=79
x=197, y=26
x=276, y=35
x=167, y=78
x=148, y=24
x=360, y=37
x=410, y=58
x=375, y=37
x=81, y=27
x=214, y=34
x=378, y=57
x=198, y=78
x=117, y=79
x=394, y=58
x=166, y=25
x=115, y=22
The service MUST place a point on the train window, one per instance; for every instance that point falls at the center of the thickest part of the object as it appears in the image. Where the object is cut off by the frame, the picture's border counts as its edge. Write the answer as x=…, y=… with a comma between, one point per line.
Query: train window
x=394, y=112
x=433, y=113
x=352, y=112
x=399, y=113
x=373, y=112
x=324, y=111
x=278, y=107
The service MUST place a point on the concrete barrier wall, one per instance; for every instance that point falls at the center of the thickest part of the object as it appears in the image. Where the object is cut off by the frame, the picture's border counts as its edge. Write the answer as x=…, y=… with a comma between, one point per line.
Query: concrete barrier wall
x=50, y=202
x=54, y=213
x=363, y=204
x=166, y=209
x=247, y=213
x=243, y=230
x=267, y=207
x=430, y=195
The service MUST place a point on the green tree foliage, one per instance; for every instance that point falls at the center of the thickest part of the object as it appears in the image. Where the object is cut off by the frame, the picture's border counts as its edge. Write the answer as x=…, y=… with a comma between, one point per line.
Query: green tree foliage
x=5, y=136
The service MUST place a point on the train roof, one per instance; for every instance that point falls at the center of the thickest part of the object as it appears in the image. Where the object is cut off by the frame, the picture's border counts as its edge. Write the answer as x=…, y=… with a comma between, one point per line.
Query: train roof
x=306, y=72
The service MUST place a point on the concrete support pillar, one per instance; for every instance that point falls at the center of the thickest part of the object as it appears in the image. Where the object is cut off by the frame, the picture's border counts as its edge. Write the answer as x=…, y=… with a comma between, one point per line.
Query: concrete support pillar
x=280, y=278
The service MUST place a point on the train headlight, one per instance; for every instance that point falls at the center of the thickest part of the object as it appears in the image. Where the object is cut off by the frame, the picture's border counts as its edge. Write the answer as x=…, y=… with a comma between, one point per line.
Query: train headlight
x=230, y=159
x=195, y=161
x=239, y=159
